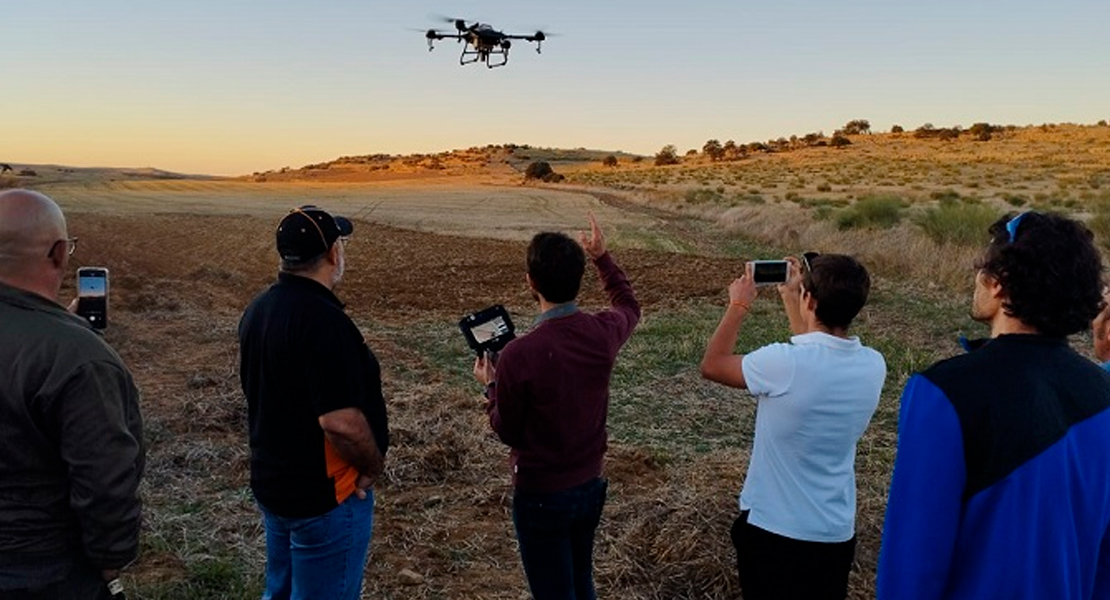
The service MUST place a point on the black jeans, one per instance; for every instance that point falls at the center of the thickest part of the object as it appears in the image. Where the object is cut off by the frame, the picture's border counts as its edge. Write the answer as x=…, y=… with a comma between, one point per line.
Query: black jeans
x=776, y=567
x=83, y=582
x=555, y=532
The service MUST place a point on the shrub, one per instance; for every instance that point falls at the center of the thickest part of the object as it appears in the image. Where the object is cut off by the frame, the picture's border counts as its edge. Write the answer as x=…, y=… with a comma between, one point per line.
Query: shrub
x=824, y=187
x=542, y=171
x=839, y=141
x=958, y=223
x=703, y=195
x=871, y=212
x=897, y=129
x=667, y=156
x=610, y=161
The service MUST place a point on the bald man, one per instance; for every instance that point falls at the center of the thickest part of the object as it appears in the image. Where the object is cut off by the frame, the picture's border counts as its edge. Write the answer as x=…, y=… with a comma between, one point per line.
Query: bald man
x=71, y=451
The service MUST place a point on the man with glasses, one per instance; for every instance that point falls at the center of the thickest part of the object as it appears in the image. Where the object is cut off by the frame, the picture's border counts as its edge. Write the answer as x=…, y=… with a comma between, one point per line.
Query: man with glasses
x=1001, y=484
x=318, y=430
x=795, y=537
x=71, y=451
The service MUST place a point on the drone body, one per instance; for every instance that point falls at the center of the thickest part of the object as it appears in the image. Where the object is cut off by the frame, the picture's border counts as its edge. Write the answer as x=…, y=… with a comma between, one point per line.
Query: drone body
x=481, y=41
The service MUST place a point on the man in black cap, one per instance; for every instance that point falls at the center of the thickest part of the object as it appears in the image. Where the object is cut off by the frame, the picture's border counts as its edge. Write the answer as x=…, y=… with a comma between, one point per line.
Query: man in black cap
x=318, y=430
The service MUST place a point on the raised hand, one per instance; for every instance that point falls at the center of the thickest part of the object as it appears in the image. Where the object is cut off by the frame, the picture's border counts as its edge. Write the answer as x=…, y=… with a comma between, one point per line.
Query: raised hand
x=595, y=244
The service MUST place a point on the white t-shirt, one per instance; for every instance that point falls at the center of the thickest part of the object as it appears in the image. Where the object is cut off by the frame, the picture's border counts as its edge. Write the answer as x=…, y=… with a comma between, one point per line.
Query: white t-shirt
x=816, y=396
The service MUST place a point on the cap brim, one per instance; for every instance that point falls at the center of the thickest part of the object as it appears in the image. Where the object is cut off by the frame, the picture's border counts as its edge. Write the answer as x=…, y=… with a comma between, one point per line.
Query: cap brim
x=345, y=226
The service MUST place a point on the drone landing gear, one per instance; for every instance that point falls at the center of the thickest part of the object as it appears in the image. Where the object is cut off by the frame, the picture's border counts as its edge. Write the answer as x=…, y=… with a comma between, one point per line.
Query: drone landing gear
x=483, y=55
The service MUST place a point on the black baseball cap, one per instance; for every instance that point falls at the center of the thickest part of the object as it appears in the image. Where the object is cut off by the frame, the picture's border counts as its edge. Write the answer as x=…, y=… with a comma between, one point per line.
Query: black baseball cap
x=308, y=231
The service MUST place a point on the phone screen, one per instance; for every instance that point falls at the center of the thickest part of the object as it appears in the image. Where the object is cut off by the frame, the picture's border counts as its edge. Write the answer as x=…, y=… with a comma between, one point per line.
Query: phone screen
x=92, y=284
x=768, y=272
x=92, y=295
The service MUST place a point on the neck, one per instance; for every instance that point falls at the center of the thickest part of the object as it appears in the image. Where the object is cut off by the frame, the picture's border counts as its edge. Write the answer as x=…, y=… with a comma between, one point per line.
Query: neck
x=1004, y=324
x=40, y=288
x=321, y=276
x=546, y=306
x=812, y=325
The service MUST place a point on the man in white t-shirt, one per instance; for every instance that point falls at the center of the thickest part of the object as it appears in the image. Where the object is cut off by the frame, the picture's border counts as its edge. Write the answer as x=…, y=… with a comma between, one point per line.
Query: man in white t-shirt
x=795, y=537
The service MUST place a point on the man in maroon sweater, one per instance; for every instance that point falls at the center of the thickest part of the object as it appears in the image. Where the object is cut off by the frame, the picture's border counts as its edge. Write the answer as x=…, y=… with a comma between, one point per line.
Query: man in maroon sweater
x=549, y=398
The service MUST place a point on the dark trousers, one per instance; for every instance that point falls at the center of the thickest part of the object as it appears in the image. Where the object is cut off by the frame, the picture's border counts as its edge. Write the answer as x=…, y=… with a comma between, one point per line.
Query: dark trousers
x=555, y=532
x=83, y=582
x=780, y=568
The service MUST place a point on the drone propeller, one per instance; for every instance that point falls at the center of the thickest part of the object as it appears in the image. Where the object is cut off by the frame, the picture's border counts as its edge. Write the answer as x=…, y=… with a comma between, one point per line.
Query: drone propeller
x=460, y=24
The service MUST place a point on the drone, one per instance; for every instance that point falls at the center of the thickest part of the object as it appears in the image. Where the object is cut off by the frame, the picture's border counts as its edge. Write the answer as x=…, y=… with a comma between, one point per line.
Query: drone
x=481, y=41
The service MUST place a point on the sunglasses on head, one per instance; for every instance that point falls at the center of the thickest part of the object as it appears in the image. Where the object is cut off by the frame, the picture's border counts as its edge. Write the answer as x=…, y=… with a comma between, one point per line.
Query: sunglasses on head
x=1012, y=225
x=807, y=259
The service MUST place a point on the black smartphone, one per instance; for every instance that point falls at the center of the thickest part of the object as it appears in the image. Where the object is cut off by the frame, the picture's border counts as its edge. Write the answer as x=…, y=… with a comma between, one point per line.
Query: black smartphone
x=770, y=272
x=92, y=295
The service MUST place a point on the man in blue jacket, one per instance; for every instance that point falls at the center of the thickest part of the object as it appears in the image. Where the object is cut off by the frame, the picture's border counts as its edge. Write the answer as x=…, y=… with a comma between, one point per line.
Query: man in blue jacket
x=1001, y=484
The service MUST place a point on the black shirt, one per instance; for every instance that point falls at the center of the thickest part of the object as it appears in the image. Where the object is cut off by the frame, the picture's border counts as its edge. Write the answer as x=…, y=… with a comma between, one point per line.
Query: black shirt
x=301, y=357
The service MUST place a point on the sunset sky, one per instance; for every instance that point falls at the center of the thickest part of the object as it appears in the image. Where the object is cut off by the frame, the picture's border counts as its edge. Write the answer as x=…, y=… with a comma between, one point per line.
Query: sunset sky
x=231, y=87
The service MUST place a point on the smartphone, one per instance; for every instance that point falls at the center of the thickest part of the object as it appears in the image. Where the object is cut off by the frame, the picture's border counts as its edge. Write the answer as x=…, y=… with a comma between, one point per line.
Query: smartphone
x=92, y=295
x=770, y=272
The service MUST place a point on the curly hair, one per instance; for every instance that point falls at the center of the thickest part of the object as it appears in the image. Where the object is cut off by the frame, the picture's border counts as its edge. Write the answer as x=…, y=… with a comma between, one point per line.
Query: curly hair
x=840, y=284
x=1049, y=268
x=556, y=264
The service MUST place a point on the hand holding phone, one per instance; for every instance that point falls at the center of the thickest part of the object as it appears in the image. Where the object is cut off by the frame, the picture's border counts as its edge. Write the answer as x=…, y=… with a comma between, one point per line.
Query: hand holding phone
x=92, y=295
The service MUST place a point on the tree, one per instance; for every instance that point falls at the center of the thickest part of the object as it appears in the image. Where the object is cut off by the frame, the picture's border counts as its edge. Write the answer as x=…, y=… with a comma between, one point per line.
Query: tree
x=857, y=126
x=610, y=161
x=897, y=129
x=668, y=155
x=839, y=141
x=713, y=150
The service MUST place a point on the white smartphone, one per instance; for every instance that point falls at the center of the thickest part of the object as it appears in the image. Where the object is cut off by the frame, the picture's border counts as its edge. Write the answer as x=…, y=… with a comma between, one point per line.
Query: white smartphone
x=92, y=295
x=770, y=272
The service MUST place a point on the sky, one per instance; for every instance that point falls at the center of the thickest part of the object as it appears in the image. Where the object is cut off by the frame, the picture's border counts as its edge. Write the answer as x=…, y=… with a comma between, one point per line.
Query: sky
x=231, y=87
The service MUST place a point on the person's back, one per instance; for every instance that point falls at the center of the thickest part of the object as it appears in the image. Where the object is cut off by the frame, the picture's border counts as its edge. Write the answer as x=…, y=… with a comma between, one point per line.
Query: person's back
x=47, y=350
x=815, y=403
x=560, y=441
x=71, y=451
x=1001, y=487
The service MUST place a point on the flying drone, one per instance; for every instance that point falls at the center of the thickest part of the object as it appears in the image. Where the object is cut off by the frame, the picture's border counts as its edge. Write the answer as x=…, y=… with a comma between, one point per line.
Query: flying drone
x=481, y=41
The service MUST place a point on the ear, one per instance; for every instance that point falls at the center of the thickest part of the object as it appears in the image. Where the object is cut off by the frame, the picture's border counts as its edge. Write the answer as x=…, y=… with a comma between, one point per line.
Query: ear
x=994, y=287
x=810, y=301
x=59, y=254
x=333, y=253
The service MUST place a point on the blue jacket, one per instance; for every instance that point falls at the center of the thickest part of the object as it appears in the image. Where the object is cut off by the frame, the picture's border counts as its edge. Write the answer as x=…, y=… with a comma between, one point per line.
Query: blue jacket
x=1001, y=485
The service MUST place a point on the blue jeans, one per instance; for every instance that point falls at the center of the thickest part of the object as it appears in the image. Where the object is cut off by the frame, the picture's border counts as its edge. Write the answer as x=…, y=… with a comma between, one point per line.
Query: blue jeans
x=318, y=557
x=555, y=532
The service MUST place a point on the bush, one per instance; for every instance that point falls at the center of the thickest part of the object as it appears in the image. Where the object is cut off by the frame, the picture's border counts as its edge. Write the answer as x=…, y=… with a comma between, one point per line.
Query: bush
x=958, y=223
x=871, y=212
x=839, y=141
x=542, y=171
x=667, y=156
x=703, y=195
x=897, y=129
x=610, y=161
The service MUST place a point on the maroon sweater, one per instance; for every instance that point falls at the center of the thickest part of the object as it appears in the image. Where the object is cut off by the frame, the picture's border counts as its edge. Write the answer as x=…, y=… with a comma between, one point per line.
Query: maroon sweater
x=552, y=393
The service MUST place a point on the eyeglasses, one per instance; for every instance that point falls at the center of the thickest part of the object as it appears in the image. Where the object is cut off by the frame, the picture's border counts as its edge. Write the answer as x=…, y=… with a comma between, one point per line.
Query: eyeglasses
x=807, y=259
x=1012, y=225
x=71, y=246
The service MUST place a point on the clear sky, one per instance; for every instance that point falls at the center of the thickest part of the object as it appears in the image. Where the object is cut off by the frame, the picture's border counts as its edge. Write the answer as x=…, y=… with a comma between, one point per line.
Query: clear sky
x=236, y=86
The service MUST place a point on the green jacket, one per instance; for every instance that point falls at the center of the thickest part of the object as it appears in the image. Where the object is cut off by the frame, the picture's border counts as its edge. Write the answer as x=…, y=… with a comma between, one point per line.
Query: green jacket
x=71, y=450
